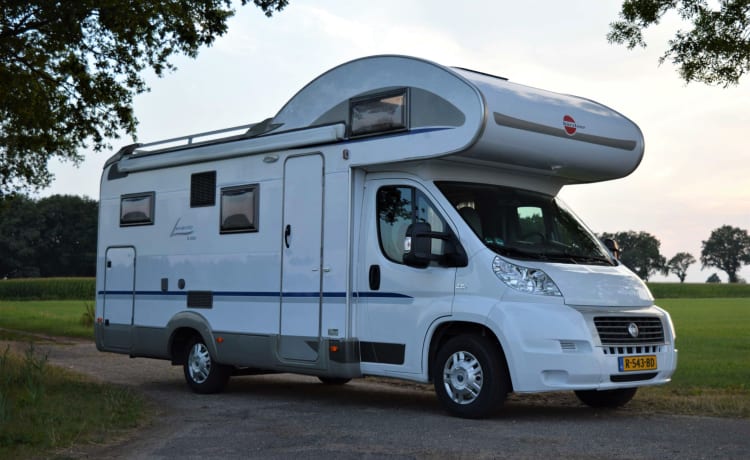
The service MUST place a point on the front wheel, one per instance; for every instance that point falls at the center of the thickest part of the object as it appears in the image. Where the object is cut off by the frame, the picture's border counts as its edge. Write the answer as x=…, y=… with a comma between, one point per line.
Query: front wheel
x=202, y=373
x=469, y=376
x=609, y=399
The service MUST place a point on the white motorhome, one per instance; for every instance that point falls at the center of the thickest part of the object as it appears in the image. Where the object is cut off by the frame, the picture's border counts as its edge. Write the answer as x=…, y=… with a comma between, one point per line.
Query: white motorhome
x=396, y=218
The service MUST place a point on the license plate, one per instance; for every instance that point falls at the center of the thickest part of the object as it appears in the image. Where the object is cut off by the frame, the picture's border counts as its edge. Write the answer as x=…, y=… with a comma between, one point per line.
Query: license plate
x=637, y=363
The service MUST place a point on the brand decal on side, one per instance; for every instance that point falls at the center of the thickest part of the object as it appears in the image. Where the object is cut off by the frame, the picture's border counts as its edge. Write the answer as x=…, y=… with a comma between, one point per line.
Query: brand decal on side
x=182, y=230
x=570, y=125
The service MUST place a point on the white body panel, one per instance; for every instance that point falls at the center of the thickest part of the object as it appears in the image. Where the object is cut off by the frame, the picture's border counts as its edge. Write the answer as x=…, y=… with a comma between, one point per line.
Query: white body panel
x=312, y=286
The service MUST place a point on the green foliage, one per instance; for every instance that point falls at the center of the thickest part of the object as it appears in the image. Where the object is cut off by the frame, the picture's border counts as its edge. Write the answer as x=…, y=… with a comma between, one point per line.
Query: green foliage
x=698, y=290
x=19, y=234
x=89, y=315
x=70, y=71
x=714, y=278
x=43, y=408
x=679, y=265
x=57, y=318
x=48, y=289
x=53, y=236
x=716, y=50
x=728, y=249
x=639, y=251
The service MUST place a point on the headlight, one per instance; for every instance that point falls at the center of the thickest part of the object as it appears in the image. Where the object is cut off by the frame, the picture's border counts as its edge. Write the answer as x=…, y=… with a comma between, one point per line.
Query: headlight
x=529, y=280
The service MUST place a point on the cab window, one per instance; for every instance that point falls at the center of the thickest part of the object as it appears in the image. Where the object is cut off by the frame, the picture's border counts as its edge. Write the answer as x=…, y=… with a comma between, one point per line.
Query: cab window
x=398, y=208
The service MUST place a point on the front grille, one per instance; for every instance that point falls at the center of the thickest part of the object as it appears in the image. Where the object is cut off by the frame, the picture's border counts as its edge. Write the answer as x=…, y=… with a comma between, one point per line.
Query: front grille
x=632, y=350
x=616, y=330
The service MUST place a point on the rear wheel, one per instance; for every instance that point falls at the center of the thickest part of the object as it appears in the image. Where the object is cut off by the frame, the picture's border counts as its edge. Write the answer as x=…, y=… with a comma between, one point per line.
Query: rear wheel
x=202, y=373
x=469, y=376
x=606, y=398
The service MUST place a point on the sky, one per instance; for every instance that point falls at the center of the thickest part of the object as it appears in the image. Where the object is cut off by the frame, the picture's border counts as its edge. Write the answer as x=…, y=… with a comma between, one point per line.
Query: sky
x=695, y=175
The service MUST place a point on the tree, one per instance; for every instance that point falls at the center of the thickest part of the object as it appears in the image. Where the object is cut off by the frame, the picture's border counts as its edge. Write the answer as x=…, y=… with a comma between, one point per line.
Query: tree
x=679, y=265
x=716, y=50
x=714, y=278
x=54, y=236
x=67, y=243
x=728, y=249
x=640, y=252
x=19, y=237
x=69, y=72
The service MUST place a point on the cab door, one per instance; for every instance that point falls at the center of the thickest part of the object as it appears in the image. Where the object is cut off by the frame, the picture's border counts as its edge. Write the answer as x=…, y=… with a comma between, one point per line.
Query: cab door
x=398, y=302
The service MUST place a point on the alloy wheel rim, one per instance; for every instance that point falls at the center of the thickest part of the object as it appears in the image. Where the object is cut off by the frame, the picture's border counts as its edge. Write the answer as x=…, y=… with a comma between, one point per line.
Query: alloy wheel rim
x=463, y=377
x=199, y=363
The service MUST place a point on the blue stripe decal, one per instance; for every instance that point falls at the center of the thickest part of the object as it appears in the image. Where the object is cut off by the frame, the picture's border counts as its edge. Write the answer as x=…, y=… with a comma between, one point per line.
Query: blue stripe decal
x=364, y=295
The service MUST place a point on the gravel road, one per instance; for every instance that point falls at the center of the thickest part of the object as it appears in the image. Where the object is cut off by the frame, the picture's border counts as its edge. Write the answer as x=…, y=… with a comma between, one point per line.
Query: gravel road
x=283, y=416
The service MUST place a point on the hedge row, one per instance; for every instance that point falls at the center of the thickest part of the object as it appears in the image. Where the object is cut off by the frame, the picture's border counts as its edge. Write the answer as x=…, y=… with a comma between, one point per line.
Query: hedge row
x=48, y=289
x=85, y=288
x=698, y=290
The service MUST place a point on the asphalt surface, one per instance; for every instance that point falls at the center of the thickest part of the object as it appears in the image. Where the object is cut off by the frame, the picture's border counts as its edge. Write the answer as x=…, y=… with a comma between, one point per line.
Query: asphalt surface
x=287, y=416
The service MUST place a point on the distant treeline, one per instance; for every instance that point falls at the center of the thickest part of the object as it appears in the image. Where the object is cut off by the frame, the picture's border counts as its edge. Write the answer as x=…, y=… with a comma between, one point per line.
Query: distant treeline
x=53, y=236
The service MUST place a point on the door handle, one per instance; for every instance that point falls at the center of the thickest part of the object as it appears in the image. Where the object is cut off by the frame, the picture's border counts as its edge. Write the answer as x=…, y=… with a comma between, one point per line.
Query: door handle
x=287, y=234
x=374, y=277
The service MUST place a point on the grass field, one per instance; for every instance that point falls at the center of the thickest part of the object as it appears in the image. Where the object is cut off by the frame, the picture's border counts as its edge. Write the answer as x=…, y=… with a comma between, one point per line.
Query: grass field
x=713, y=335
x=713, y=338
x=51, y=317
x=44, y=409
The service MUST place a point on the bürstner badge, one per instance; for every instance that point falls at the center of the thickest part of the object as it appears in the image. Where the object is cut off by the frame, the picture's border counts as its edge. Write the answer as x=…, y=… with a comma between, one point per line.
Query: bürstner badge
x=633, y=330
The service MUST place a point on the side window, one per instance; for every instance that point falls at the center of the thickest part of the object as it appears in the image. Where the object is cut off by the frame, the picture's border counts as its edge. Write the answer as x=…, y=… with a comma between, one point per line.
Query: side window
x=239, y=209
x=399, y=207
x=137, y=209
x=530, y=221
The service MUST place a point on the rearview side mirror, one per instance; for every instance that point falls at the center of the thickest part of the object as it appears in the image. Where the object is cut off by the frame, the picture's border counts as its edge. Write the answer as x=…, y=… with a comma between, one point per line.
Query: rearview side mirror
x=613, y=247
x=418, y=247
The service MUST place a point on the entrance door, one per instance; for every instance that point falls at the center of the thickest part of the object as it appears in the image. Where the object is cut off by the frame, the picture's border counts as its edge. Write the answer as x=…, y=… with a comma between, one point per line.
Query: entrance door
x=119, y=295
x=301, y=265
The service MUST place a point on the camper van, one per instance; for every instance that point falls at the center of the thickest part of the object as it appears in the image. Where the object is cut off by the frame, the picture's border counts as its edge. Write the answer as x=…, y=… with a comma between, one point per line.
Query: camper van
x=396, y=218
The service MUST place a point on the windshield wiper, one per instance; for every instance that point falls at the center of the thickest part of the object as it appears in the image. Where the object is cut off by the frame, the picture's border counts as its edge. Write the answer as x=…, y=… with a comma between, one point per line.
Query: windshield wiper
x=516, y=253
x=576, y=258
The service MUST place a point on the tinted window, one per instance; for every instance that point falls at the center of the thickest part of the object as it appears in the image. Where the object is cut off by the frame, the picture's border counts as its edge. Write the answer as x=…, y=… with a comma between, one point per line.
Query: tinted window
x=398, y=208
x=239, y=209
x=523, y=224
x=137, y=209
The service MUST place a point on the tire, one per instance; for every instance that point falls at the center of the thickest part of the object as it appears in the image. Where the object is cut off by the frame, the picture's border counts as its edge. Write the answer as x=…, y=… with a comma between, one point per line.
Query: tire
x=470, y=376
x=334, y=380
x=607, y=399
x=202, y=373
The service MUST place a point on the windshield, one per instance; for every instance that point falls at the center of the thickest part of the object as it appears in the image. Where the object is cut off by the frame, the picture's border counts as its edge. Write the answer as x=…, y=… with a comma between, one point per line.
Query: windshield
x=525, y=225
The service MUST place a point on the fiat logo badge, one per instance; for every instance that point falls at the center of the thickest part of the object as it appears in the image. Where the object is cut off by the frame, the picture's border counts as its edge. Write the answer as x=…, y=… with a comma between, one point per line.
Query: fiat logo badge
x=633, y=330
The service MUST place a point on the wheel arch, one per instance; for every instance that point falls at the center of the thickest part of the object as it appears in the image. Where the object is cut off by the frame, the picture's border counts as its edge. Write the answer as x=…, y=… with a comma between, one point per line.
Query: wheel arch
x=182, y=328
x=449, y=329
